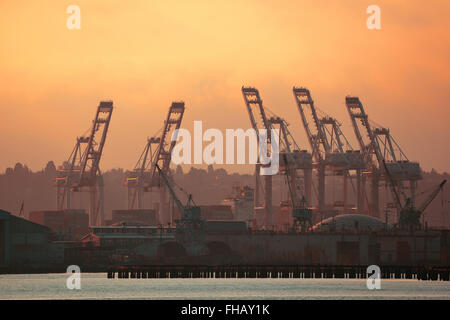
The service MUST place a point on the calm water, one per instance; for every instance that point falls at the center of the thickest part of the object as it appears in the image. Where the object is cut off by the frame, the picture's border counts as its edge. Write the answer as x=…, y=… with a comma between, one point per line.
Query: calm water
x=97, y=286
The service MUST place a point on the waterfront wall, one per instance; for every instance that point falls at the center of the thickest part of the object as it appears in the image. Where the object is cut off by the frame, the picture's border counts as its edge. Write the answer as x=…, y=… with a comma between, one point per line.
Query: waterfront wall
x=401, y=248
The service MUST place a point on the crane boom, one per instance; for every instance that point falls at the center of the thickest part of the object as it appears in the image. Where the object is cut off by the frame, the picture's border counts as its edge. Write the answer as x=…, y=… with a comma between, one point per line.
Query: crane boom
x=370, y=147
x=93, y=153
x=190, y=214
x=316, y=135
x=172, y=192
x=431, y=197
x=166, y=143
x=398, y=202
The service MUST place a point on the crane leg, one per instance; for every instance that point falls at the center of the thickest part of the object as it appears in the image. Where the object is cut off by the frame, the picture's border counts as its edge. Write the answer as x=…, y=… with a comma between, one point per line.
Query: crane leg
x=268, y=200
x=344, y=195
x=413, y=187
x=101, y=204
x=375, y=212
x=257, y=186
x=163, y=214
x=92, y=206
x=308, y=184
x=358, y=191
x=321, y=176
x=139, y=197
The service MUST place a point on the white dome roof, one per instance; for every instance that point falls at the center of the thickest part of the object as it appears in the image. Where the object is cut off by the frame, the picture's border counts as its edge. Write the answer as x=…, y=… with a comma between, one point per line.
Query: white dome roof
x=350, y=222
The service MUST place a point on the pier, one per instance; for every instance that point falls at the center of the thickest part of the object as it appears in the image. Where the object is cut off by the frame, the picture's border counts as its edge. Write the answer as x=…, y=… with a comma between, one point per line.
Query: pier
x=433, y=273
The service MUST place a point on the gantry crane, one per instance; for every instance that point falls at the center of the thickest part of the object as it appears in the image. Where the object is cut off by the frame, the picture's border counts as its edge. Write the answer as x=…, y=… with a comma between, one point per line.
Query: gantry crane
x=259, y=121
x=82, y=172
x=379, y=147
x=316, y=138
x=330, y=148
x=157, y=152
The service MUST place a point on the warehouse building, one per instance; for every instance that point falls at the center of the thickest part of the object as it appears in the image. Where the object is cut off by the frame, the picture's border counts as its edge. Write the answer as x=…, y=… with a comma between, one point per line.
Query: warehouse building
x=25, y=244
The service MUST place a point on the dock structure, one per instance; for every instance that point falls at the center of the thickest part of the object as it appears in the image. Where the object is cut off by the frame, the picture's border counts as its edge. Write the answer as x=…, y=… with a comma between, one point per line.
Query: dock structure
x=434, y=273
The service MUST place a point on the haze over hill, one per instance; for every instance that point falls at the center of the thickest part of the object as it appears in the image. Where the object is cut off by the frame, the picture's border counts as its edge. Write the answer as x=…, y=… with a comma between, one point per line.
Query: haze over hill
x=36, y=190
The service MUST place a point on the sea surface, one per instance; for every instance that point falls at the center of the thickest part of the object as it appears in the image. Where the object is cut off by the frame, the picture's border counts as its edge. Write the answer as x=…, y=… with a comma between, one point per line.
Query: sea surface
x=97, y=286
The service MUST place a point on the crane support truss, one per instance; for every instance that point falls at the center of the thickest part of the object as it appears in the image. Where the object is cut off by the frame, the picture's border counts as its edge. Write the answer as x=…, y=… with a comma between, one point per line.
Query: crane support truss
x=316, y=138
x=82, y=171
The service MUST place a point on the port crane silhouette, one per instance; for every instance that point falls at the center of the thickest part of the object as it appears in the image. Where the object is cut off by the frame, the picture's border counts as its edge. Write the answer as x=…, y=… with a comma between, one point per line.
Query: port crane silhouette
x=82, y=170
x=158, y=150
x=330, y=149
x=259, y=120
x=378, y=147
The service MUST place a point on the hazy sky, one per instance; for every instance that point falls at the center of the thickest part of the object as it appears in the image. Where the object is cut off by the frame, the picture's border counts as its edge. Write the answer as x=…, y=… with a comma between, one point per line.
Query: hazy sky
x=145, y=54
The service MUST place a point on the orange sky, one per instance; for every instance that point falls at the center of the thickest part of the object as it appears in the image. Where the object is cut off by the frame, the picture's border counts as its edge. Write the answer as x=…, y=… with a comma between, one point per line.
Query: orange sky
x=145, y=54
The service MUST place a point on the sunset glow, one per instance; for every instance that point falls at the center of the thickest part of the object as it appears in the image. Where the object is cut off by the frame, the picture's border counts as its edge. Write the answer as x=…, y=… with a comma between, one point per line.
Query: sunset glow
x=145, y=55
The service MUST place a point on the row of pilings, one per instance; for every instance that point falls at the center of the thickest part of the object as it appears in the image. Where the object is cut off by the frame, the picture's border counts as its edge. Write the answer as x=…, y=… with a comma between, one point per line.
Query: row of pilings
x=294, y=271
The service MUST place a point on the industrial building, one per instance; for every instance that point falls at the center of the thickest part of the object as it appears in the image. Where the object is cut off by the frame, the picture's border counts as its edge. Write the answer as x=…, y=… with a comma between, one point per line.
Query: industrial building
x=25, y=244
